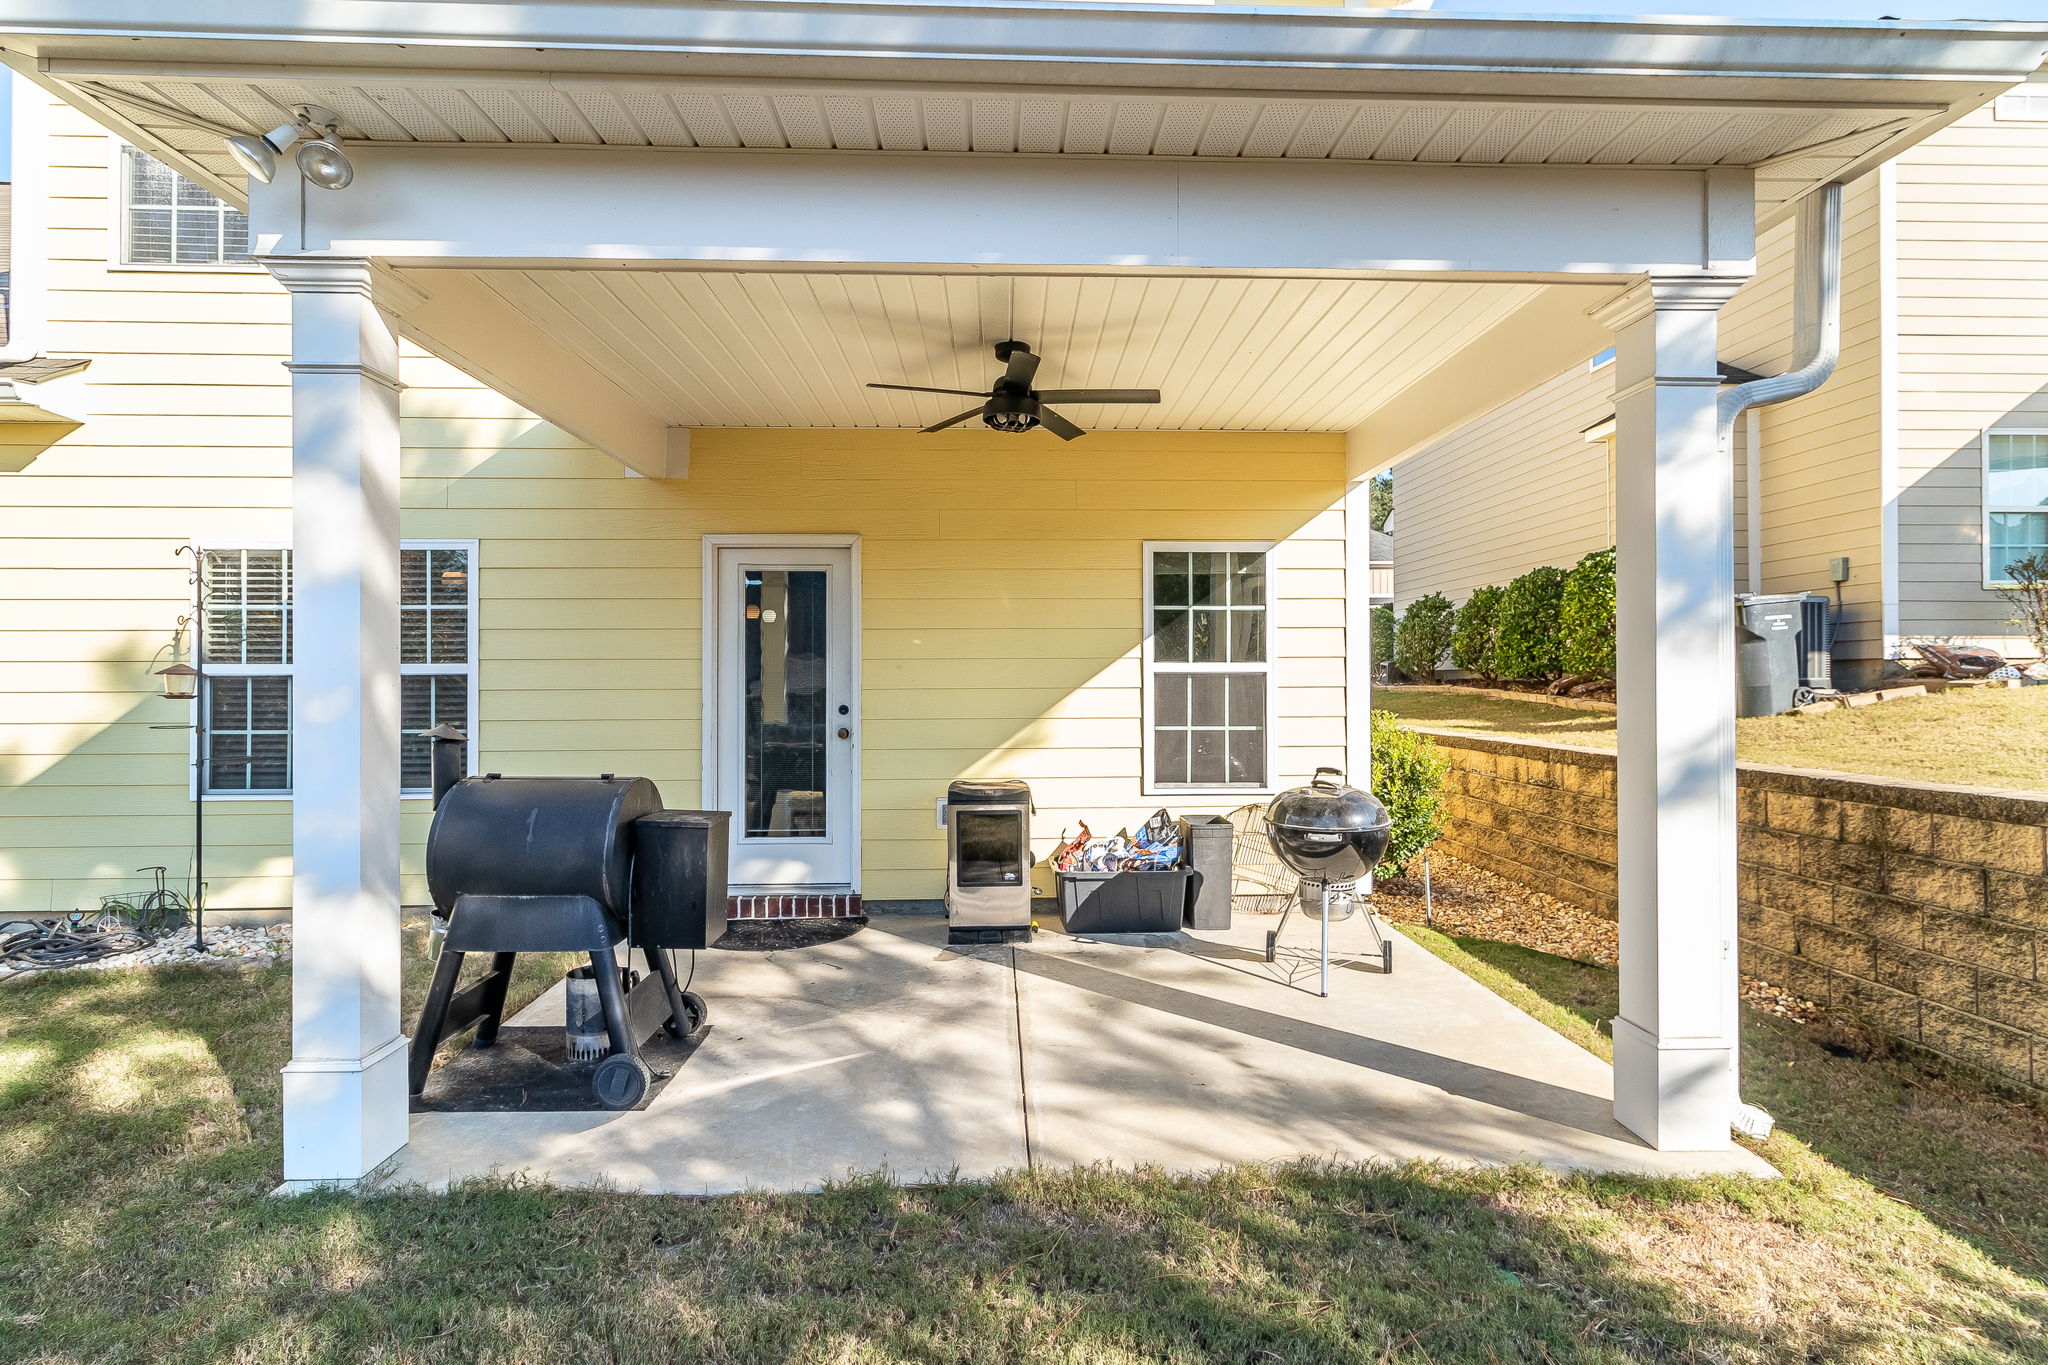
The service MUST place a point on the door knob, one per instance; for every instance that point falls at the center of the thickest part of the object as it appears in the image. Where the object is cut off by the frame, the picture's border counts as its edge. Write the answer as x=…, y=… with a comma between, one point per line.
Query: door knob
x=845, y=733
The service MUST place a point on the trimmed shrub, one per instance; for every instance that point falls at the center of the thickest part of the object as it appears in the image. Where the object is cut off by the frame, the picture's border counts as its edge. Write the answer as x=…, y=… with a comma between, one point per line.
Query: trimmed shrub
x=1424, y=636
x=1528, y=643
x=1586, y=615
x=1473, y=640
x=1408, y=777
x=1382, y=637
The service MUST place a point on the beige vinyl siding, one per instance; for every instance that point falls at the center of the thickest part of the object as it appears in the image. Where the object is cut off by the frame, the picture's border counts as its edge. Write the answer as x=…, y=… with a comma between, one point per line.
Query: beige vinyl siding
x=1972, y=230
x=1518, y=488
x=1521, y=487
x=1002, y=597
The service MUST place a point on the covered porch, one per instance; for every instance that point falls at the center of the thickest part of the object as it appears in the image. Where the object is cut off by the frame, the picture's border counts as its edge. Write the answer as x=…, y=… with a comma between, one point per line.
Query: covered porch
x=1348, y=228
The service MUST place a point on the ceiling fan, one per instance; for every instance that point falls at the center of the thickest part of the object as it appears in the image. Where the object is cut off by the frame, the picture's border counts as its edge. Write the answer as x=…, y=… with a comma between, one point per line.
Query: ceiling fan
x=1013, y=405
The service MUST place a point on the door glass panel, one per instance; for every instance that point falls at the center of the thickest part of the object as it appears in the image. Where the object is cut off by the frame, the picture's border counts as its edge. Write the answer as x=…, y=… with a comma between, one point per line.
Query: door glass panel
x=785, y=649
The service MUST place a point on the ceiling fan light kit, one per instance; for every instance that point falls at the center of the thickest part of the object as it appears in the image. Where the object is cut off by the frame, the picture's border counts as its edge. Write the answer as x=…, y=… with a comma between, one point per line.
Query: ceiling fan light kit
x=1011, y=405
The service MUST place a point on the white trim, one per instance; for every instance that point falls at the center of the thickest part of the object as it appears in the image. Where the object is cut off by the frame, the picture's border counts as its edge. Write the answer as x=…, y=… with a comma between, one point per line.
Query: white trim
x=28, y=306
x=1889, y=488
x=1358, y=603
x=1148, y=785
x=1984, y=494
x=710, y=736
x=121, y=224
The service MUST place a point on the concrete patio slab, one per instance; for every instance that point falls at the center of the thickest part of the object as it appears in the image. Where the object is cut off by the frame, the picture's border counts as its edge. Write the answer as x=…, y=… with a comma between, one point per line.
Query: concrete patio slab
x=888, y=1050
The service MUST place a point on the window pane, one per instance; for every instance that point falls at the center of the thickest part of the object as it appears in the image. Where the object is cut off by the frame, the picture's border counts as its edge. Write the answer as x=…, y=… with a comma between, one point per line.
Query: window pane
x=191, y=195
x=235, y=236
x=1205, y=699
x=2015, y=535
x=1170, y=636
x=267, y=576
x=412, y=635
x=2018, y=471
x=230, y=709
x=1248, y=636
x=1247, y=580
x=198, y=238
x=426, y=701
x=448, y=640
x=149, y=180
x=1170, y=578
x=1209, y=729
x=1248, y=756
x=1170, y=756
x=149, y=236
x=1247, y=699
x=1170, y=699
x=412, y=578
x=249, y=734
x=784, y=654
x=450, y=585
x=263, y=636
x=1208, y=761
x=1205, y=578
x=173, y=220
x=1205, y=637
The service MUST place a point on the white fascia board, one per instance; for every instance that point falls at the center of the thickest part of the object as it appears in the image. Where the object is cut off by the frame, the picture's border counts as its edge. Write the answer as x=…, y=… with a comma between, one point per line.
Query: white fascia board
x=1209, y=46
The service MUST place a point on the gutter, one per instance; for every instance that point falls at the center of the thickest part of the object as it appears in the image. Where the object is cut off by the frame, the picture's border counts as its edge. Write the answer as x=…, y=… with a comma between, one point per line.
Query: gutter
x=1817, y=345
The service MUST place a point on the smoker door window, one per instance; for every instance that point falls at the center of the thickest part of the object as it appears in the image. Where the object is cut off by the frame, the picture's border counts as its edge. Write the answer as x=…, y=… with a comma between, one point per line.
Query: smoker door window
x=991, y=847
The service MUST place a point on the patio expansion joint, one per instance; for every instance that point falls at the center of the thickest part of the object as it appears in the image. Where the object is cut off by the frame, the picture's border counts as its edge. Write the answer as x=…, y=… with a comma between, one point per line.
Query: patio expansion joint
x=1023, y=1076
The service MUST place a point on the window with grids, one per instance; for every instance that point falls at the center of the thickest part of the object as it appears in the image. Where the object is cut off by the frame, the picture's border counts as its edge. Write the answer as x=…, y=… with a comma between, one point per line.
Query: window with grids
x=435, y=602
x=2015, y=498
x=1208, y=683
x=247, y=656
x=248, y=661
x=171, y=221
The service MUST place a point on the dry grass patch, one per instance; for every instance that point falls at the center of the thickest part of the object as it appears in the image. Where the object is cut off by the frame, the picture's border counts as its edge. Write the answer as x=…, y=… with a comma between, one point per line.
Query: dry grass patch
x=1972, y=737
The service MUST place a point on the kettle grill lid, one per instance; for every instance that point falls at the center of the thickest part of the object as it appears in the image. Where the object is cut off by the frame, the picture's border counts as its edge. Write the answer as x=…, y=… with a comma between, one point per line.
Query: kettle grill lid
x=1328, y=805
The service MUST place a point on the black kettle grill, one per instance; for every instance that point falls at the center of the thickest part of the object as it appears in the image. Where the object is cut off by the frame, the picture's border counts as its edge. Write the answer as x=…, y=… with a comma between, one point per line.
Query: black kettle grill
x=1330, y=834
x=553, y=864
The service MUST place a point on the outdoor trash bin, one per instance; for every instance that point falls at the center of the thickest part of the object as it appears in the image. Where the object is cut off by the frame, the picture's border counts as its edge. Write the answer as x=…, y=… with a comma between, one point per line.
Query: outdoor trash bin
x=1126, y=902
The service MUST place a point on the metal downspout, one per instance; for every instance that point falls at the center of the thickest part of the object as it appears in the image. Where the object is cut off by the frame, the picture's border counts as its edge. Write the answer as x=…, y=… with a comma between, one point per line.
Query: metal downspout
x=1816, y=346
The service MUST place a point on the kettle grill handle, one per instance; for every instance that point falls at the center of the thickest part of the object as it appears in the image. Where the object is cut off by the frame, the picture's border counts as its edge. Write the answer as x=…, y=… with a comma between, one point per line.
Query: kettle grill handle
x=1317, y=780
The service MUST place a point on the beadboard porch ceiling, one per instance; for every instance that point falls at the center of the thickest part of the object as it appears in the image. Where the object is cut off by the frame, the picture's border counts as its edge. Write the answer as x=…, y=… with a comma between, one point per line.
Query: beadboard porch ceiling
x=705, y=348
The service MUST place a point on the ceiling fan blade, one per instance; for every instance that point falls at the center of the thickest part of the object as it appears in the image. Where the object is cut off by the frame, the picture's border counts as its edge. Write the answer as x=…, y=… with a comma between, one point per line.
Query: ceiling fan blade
x=1058, y=425
x=920, y=388
x=950, y=421
x=1099, y=396
x=1023, y=364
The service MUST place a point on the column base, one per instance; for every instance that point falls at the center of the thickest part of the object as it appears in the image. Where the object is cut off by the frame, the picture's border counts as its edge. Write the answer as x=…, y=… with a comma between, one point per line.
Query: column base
x=1676, y=1096
x=343, y=1117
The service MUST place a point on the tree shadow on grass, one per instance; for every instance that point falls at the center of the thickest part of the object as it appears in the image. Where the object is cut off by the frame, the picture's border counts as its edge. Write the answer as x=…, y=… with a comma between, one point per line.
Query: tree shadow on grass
x=138, y=1122
x=1971, y=1159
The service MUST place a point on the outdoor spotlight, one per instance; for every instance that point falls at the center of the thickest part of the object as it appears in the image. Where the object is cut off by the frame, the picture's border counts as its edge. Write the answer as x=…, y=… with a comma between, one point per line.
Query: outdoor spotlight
x=325, y=165
x=258, y=155
x=181, y=682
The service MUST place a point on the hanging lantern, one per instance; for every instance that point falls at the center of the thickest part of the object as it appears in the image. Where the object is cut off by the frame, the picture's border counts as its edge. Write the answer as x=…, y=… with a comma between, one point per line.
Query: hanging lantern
x=181, y=682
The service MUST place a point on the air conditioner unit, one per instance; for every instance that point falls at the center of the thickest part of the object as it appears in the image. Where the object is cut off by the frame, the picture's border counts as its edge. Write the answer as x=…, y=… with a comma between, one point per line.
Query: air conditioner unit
x=1816, y=642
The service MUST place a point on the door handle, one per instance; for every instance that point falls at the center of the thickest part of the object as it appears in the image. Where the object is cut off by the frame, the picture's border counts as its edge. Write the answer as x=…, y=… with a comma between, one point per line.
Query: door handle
x=845, y=733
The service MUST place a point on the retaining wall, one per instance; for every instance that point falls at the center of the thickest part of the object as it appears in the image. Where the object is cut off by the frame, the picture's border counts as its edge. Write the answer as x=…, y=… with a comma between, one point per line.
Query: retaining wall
x=1920, y=909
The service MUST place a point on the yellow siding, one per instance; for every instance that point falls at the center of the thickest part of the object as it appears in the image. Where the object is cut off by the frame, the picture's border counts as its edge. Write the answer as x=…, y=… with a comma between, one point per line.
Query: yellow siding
x=1002, y=585
x=1972, y=353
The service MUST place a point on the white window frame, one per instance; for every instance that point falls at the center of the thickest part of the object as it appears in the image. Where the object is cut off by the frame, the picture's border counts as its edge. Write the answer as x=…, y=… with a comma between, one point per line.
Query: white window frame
x=1984, y=489
x=1149, y=666
x=290, y=670
x=210, y=670
x=122, y=221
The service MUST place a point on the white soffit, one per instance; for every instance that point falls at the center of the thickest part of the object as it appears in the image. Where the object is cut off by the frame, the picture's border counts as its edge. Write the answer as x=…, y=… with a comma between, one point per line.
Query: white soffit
x=749, y=348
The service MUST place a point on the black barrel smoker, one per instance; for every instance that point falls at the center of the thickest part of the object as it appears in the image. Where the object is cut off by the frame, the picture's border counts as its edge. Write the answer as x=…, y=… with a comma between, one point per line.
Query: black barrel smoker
x=1330, y=834
x=570, y=864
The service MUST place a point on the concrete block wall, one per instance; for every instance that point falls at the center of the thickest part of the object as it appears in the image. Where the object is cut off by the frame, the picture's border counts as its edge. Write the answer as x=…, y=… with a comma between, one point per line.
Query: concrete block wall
x=1921, y=910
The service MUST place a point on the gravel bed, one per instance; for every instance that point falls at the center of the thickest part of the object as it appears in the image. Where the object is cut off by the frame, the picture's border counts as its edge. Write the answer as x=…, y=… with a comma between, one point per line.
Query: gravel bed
x=229, y=946
x=1474, y=903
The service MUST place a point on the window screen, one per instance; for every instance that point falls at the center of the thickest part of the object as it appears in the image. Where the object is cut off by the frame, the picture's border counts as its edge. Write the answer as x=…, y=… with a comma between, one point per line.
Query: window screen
x=1208, y=691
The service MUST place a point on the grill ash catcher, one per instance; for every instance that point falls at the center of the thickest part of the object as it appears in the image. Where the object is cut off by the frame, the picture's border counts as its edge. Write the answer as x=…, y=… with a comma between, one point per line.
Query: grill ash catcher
x=568, y=864
x=1331, y=835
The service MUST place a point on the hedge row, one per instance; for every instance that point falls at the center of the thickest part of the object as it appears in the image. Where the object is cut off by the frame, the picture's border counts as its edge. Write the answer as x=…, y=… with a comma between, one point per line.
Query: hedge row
x=1547, y=624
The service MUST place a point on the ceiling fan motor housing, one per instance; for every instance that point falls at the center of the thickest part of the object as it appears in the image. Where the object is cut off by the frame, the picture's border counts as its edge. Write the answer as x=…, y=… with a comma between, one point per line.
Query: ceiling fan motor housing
x=1010, y=408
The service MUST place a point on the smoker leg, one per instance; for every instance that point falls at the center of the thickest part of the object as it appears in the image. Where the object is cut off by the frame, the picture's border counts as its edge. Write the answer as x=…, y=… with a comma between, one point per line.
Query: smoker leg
x=680, y=1021
x=612, y=996
x=433, y=1018
x=491, y=1000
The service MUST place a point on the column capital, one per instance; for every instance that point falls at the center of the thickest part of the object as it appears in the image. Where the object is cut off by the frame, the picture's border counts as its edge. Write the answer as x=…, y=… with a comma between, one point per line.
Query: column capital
x=1693, y=293
x=320, y=274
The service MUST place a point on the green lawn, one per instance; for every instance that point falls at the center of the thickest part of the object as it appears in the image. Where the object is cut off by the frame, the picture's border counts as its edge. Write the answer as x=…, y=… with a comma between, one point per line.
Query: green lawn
x=139, y=1141
x=1972, y=737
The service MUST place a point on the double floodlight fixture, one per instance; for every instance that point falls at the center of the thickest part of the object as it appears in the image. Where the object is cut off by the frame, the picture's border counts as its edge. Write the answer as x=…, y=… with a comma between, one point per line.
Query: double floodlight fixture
x=321, y=160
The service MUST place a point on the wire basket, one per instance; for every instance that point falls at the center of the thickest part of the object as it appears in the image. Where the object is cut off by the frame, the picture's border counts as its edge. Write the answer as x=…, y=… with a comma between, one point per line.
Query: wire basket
x=1260, y=884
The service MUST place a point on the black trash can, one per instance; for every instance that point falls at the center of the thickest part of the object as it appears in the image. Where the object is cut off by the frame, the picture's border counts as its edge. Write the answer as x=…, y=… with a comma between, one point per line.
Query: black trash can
x=679, y=892
x=1767, y=662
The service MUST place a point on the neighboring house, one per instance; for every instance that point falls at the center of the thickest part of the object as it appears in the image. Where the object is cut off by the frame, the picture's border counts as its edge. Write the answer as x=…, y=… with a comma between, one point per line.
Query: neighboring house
x=573, y=444
x=1382, y=568
x=1923, y=461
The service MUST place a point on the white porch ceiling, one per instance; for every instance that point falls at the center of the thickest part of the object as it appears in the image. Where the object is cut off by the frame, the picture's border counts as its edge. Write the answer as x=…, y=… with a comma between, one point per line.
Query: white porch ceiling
x=747, y=348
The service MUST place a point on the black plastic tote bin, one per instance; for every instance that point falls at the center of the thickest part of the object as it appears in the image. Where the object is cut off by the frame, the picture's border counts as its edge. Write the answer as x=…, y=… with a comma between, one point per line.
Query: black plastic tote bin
x=1126, y=902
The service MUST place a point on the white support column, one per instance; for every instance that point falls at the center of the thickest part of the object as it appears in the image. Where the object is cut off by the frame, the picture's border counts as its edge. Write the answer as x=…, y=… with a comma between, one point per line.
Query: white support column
x=1674, y=532
x=345, y=1100
x=1358, y=632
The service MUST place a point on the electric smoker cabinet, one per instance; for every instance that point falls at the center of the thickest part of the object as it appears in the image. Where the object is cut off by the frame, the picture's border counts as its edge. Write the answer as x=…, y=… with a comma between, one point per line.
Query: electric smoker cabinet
x=988, y=862
x=570, y=864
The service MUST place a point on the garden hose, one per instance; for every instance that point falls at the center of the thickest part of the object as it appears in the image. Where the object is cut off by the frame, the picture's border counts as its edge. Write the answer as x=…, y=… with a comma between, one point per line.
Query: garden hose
x=47, y=946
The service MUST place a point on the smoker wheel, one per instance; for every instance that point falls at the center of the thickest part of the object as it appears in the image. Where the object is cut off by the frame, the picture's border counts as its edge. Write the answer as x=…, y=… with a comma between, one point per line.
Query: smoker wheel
x=620, y=1081
x=699, y=1011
